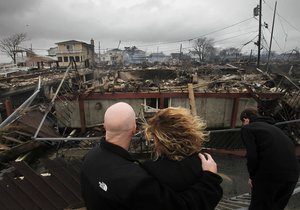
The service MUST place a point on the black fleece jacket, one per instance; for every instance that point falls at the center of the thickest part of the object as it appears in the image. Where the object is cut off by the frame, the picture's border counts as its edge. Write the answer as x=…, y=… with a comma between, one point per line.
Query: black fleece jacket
x=180, y=175
x=112, y=179
x=270, y=153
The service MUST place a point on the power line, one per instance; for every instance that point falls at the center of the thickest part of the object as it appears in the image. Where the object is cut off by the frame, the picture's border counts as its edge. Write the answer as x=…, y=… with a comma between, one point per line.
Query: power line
x=233, y=37
x=282, y=17
x=185, y=40
x=223, y=28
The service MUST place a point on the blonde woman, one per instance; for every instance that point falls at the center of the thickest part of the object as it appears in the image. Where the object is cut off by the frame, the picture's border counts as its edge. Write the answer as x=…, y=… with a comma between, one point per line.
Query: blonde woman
x=178, y=138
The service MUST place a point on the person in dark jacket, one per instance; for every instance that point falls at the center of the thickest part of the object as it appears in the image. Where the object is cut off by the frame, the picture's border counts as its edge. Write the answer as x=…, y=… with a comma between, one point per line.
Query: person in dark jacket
x=271, y=161
x=112, y=179
x=178, y=138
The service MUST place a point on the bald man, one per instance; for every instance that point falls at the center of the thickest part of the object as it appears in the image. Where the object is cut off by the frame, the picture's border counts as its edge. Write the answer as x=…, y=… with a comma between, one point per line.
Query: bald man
x=112, y=179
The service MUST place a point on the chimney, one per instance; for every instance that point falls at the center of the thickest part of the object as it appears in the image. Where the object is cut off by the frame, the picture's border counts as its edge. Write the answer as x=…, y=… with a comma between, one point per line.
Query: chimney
x=92, y=42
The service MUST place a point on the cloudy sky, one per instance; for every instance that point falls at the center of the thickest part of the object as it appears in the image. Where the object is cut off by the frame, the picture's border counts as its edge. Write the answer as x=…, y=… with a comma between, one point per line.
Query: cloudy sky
x=151, y=25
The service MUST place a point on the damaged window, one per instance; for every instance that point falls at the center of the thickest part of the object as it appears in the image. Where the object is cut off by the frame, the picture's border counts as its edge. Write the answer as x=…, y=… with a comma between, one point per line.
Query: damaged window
x=151, y=104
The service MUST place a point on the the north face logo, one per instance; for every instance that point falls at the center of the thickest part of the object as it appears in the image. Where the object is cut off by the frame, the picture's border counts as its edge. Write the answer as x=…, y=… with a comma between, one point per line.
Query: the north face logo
x=103, y=186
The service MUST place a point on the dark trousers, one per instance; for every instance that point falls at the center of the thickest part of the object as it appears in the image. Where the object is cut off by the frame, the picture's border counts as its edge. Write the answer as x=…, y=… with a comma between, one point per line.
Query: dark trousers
x=271, y=195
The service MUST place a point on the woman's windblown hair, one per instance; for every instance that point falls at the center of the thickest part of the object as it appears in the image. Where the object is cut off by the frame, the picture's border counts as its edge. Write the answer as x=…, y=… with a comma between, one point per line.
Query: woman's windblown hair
x=176, y=133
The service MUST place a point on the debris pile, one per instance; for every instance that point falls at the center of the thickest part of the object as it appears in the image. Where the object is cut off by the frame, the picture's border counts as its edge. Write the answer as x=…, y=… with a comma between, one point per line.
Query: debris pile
x=16, y=139
x=21, y=80
x=208, y=78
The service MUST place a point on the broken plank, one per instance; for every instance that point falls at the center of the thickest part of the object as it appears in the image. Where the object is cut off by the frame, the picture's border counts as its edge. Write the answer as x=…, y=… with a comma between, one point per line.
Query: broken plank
x=23, y=133
x=3, y=147
x=12, y=139
x=18, y=150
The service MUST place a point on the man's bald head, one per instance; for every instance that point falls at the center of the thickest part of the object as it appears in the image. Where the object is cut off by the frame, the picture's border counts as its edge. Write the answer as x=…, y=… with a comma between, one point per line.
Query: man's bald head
x=119, y=118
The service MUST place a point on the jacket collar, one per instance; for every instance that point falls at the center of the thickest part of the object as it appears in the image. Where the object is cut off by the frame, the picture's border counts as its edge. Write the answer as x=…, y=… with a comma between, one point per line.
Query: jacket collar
x=116, y=149
x=266, y=119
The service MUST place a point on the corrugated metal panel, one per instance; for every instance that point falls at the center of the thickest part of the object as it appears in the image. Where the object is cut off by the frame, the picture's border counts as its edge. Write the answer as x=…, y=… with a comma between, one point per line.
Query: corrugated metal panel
x=24, y=188
x=32, y=120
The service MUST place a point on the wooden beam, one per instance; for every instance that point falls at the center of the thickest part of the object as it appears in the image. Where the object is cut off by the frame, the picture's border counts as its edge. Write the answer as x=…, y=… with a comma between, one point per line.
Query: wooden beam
x=8, y=107
x=12, y=139
x=192, y=99
x=82, y=115
x=234, y=112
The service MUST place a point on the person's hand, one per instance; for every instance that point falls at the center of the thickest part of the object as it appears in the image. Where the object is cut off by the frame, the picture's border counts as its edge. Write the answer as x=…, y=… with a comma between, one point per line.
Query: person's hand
x=250, y=183
x=209, y=163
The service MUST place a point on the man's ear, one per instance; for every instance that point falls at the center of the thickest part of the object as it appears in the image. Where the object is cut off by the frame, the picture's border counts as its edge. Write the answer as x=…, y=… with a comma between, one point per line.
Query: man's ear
x=134, y=129
x=104, y=126
x=246, y=121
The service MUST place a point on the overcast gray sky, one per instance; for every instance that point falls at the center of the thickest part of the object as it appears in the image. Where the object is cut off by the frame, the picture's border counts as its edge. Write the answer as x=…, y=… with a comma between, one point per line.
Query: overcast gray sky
x=151, y=25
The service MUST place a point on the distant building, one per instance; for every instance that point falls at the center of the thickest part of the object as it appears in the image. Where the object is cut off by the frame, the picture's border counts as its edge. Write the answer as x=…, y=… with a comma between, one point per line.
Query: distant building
x=27, y=58
x=158, y=57
x=52, y=51
x=82, y=53
x=111, y=57
x=194, y=56
x=41, y=62
x=134, y=55
x=176, y=57
x=22, y=55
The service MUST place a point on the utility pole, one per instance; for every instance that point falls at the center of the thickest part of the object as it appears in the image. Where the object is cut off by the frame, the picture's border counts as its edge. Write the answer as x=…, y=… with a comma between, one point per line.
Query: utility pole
x=259, y=34
x=180, y=53
x=99, y=54
x=271, y=37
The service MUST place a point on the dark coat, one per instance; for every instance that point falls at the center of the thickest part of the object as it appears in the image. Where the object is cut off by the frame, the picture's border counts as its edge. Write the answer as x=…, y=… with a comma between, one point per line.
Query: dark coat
x=270, y=153
x=111, y=179
x=180, y=175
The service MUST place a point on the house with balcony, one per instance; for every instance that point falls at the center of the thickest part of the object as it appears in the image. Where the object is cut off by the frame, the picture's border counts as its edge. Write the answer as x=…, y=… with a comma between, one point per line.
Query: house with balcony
x=82, y=53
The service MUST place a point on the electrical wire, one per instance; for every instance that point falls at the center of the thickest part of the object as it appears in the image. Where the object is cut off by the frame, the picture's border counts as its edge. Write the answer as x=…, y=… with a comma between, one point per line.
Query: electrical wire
x=190, y=39
x=282, y=17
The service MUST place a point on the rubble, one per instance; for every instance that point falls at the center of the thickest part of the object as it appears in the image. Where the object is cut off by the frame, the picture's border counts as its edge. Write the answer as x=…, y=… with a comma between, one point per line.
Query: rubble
x=210, y=78
x=228, y=78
